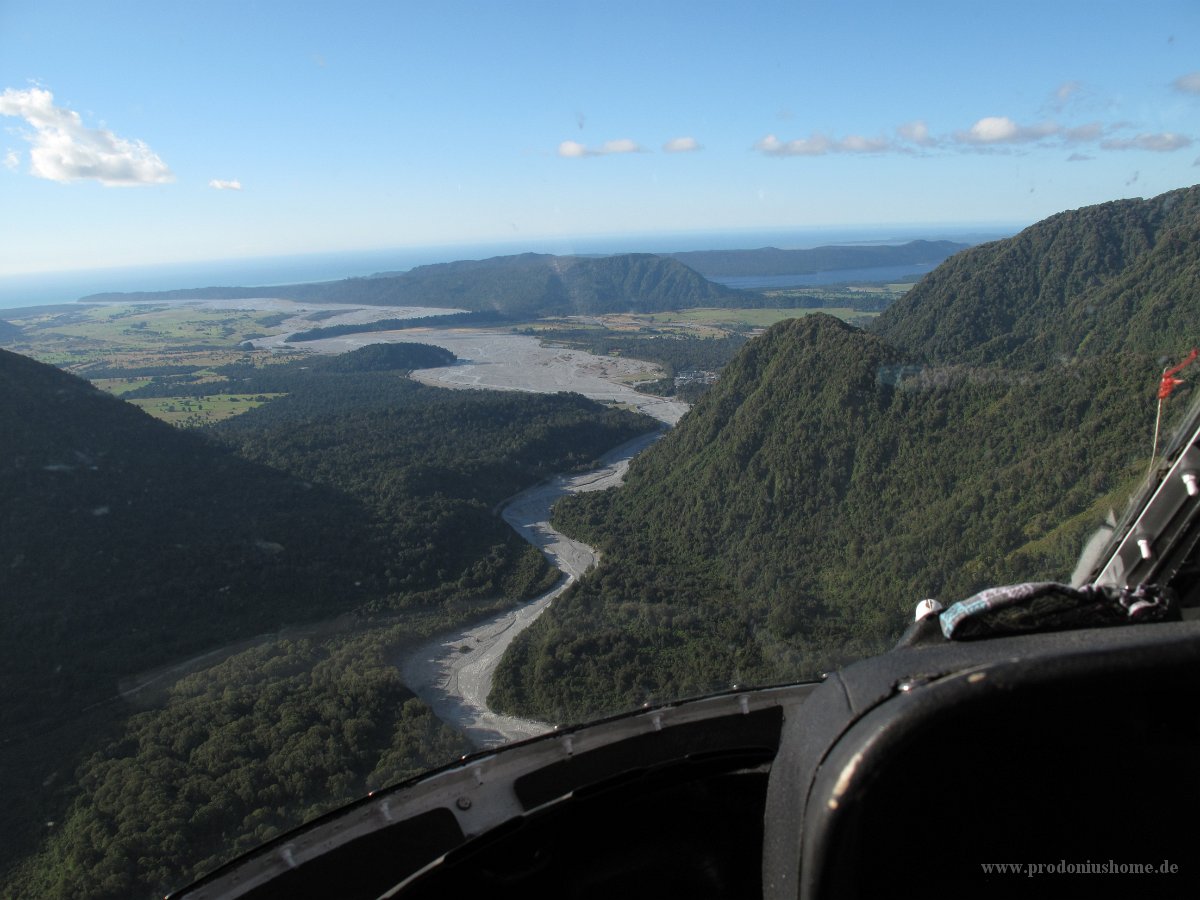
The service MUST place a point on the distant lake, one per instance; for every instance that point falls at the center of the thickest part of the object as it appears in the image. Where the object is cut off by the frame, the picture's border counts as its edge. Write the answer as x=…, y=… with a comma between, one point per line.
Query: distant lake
x=833, y=276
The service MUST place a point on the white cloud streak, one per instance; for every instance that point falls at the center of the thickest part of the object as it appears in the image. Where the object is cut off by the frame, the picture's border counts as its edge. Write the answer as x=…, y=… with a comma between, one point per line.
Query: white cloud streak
x=12, y=160
x=820, y=145
x=1188, y=84
x=1164, y=142
x=219, y=185
x=916, y=132
x=856, y=143
x=773, y=146
x=624, y=145
x=64, y=150
x=1084, y=134
x=1064, y=93
x=576, y=150
x=989, y=134
x=992, y=130
x=681, y=145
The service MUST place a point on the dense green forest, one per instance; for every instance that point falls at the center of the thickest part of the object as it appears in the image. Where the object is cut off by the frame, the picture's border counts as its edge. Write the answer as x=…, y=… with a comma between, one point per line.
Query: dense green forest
x=390, y=357
x=128, y=544
x=528, y=285
x=831, y=479
x=430, y=466
x=1078, y=284
x=241, y=752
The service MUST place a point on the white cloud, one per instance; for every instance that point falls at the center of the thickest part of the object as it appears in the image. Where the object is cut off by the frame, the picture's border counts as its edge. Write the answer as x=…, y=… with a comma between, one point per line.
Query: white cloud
x=218, y=184
x=64, y=150
x=992, y=130
x=917, y=132
x=819, y=145
x=1082, y=134
x=1189, y=83
x=1163, y=142
x=681, y=145
x=998, y=134
x=624, y=145
x=12, y=160
x=856, y=143
x=770, y=145
x=576, y=150
x=1064, y=92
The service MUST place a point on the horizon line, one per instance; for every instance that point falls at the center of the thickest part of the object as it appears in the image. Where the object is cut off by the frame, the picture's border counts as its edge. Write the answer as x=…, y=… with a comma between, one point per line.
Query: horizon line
x=531, y=243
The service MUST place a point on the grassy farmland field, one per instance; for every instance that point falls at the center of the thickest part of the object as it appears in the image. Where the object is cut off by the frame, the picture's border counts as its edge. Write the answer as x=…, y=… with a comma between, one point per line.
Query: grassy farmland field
x=133, y=336
x=755, y=318
x=192, y=411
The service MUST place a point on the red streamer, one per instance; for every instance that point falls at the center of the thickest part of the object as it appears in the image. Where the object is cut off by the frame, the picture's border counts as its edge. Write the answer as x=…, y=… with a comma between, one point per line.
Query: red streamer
x=1169, y=382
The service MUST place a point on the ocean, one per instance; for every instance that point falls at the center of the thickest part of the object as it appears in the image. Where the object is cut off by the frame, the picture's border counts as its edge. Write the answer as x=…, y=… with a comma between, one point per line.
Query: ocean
x=42, y=289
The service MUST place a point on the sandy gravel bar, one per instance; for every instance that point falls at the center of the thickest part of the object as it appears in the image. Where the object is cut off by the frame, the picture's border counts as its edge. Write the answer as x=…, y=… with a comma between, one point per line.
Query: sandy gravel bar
x=517, y=362
x=453, y=672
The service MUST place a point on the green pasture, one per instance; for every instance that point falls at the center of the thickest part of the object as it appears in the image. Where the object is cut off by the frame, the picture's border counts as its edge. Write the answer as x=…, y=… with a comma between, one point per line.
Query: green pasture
x=143, y=327
x=137, y=335
x=192, y=412
x=755, y=318
x=119, y=386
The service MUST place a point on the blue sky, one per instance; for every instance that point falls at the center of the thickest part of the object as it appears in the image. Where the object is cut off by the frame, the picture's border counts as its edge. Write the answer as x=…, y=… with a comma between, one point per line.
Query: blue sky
x=143, y=133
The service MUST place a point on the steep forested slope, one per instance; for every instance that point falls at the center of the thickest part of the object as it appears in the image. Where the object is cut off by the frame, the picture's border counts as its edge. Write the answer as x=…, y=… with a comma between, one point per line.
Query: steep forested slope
x=241, y=752
x=1080, y=283
x=830, y=481
x=125, y=543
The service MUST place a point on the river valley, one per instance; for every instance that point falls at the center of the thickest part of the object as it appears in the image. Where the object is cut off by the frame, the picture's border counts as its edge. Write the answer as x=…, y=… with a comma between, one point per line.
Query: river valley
x=453, y=672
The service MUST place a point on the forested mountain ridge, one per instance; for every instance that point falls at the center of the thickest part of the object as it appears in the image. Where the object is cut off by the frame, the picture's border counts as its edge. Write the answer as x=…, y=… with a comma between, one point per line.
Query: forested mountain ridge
x=569, y=285
x=830, y=480
x=125, y=544
x=126, y=541
x=1118, y=276
x=525, y=285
